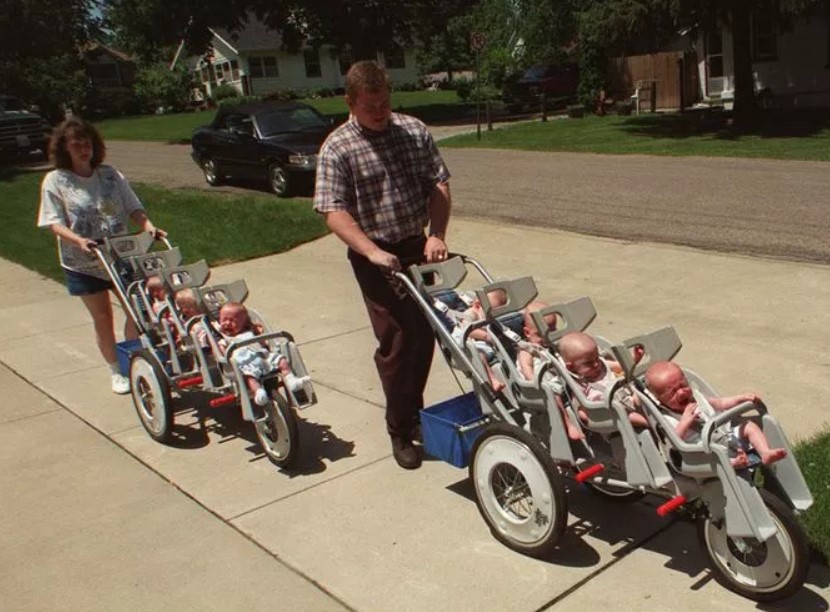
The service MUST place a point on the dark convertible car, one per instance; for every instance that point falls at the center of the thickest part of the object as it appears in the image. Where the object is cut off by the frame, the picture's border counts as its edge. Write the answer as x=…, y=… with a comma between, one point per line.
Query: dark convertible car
x=274, y=141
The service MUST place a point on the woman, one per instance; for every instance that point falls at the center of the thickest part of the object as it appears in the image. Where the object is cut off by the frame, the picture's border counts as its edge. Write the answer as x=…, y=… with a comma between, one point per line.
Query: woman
x=80, y=201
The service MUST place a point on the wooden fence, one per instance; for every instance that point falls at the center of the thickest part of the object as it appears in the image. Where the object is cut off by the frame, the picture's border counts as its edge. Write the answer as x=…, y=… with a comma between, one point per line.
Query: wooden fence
x=674, y=74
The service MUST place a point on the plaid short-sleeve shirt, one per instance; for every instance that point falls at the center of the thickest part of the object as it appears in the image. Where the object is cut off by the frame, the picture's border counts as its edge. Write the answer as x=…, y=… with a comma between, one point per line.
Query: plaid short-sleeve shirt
x=383, y=179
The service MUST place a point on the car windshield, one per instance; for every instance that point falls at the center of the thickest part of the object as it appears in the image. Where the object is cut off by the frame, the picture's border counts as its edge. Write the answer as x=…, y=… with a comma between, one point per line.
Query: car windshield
x=281, y=121
x=10, y=103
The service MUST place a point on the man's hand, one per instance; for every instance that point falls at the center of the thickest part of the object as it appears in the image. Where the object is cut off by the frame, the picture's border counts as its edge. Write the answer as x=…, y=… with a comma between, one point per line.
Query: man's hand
x=435, y=249
x=384, y=260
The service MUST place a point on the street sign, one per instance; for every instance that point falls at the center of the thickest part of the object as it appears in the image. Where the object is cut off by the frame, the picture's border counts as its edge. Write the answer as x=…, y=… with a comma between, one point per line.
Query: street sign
x=477, y=41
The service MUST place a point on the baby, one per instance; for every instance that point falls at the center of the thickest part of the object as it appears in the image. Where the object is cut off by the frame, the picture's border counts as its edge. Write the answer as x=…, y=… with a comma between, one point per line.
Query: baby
x=669, y=385
x=528, y=362
x=157, y=293
x=254, y=360
x=188, y=306
x=481, y=337
x=596, y=374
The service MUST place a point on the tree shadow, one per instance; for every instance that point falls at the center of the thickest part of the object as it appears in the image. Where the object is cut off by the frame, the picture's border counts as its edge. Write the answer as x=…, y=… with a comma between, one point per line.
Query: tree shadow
x=720, y=124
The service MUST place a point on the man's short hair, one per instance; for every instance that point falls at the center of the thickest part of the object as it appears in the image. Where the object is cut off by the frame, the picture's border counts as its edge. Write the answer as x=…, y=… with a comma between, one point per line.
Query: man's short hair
x=365, y=75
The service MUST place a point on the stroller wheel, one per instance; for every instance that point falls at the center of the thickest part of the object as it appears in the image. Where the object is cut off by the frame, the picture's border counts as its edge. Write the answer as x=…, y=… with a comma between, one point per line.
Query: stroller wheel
x=519, y=491
x=763, y=571
x=151, y=395
x=277, y=431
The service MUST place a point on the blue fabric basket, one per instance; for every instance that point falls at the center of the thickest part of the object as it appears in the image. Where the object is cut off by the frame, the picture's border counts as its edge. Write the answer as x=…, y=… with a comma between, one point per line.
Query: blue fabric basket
x=124, y=350
x=440, y=427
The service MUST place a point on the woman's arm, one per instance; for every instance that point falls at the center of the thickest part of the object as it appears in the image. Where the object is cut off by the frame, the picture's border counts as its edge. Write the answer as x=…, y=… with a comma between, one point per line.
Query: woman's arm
x=67, y=234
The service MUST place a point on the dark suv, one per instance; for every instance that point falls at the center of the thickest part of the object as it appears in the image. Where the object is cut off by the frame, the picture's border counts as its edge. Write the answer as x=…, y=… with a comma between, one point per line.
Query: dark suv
x=21, y=130
x=557, y=81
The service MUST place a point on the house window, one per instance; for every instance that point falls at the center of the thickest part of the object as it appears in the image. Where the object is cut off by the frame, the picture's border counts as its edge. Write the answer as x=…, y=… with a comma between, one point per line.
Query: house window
x=393, y=57
x=345, y=60
x=764, y=39
x=714, y=62
x=312, y=63
x=264, y=67
x=204, y=74
x=234, y=70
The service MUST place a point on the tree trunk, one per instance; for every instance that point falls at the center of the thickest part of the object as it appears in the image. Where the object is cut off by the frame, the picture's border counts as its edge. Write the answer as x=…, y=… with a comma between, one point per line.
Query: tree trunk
x=744, y=106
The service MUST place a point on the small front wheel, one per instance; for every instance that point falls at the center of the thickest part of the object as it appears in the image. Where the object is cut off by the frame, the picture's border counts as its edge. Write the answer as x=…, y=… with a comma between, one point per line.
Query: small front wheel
x=519, y=491
x=762, y=571
x=151, y=395
x=279, y=180
x=277, y=431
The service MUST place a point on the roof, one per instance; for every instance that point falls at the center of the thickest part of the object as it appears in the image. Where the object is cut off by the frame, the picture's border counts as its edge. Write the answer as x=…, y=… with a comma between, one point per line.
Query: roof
x=96, y=47
x=252, y=36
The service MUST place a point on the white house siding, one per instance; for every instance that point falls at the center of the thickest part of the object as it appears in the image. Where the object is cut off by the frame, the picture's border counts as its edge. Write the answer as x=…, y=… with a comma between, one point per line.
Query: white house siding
x=799, y=77
x=407, y=74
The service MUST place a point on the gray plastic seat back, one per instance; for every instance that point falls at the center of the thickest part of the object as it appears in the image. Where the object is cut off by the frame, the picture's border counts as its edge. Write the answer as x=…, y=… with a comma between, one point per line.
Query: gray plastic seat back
x=572, y=316
x=431, y=278
x=152, y=263
x=660, y=345
x=215, y=296
x=129, y=246
x=519, y=292
x=186, y=277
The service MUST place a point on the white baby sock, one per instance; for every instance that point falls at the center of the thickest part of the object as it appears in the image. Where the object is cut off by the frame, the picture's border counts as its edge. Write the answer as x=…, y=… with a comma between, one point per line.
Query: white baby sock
x=261, y=397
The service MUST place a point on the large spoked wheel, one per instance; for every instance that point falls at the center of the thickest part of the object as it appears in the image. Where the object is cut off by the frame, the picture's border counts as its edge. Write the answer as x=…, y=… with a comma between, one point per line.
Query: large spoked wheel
x=211, y=171
x=763, y=571
x=519, y=491
x=279, y=180
x=277, y=432
x=151, y=395
x=620, y=495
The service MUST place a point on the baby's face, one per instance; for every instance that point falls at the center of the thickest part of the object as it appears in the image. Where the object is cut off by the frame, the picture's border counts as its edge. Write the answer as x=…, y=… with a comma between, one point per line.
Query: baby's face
x=188, y=310
x=588, y=366
x=232, y=321
x=675, y=393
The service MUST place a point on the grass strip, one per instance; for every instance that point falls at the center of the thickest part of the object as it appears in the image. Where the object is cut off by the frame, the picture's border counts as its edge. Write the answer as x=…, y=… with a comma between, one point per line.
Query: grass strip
x=218, y=227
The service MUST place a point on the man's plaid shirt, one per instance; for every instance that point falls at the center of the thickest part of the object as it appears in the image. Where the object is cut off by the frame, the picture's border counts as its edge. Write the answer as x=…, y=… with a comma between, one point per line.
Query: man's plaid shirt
x=383, y=179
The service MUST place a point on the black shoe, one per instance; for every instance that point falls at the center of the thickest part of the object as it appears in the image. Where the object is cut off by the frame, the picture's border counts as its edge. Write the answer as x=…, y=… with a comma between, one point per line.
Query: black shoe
x=417, y=434
x=407, y=456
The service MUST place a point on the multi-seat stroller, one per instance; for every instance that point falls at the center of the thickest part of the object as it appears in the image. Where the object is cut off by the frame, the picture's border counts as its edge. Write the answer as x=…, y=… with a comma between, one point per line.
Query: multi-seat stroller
x=175, y=356
x=519, y=453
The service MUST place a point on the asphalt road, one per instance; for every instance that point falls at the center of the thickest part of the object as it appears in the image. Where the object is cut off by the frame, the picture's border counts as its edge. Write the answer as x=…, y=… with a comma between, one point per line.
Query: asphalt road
x=756, y=207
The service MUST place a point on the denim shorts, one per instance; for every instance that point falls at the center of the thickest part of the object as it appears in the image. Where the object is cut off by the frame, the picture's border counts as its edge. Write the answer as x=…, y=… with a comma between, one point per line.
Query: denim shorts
x=84, y=284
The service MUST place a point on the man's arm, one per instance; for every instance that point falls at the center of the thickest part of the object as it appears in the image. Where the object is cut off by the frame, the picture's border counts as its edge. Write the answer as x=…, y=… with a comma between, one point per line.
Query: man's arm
x=440, y=204
x=346, y=228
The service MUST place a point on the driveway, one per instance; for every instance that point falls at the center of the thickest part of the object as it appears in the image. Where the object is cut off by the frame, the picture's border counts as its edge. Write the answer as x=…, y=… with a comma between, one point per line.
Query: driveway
x=757, y=207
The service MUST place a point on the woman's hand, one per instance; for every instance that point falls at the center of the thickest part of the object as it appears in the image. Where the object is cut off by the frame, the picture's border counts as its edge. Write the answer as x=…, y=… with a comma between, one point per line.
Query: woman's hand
x=86, y=244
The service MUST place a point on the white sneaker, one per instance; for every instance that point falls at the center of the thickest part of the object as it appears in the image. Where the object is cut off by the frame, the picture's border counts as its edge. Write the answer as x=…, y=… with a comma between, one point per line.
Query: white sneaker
x=261, y=397
x=294, y=382
x=120, y=384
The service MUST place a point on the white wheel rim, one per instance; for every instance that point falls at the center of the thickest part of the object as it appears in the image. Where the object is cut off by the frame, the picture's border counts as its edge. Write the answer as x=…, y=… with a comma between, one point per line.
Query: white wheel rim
x=278, y=180
x=148, y=395
x=514, y=489
x=273, y=434
x=759, y=566
x=210, y=171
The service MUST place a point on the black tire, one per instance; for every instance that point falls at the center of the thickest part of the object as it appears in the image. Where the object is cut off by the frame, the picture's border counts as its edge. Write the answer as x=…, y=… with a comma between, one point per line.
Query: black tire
x=764, y=571
x=519, y=491
x=279, y=180
x=277, y=432
x=213, y=175
x=151, y=395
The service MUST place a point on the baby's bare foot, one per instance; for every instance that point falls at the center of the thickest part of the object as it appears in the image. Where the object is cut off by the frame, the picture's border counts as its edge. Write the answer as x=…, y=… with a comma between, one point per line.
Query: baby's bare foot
x=773, y=455
x=574, y=433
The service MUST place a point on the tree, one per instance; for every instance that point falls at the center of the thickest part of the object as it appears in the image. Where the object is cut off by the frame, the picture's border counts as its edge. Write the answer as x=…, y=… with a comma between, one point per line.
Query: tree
x=40, y=50
x=622, y=22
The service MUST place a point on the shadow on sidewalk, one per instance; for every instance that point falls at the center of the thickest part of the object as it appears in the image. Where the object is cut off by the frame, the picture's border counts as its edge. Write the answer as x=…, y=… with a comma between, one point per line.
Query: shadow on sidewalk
x=318, y=444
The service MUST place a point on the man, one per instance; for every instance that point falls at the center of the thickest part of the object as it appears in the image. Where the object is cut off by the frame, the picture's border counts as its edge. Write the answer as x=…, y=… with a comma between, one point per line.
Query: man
x=380, y=181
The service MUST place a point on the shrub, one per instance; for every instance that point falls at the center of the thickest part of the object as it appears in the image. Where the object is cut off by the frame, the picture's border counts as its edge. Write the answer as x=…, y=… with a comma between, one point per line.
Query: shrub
x=225, y=91
x=158, y=87
x=238, y=100
x=411, y=86
x=100, y=104
x=464, y=88
x=575, y=111
x=623, y=108
x=282, y=95
x=321, y=92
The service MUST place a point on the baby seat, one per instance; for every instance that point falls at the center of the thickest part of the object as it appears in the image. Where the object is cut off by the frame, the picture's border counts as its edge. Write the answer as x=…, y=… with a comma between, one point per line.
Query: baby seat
x=607, y=419
x=704, y=466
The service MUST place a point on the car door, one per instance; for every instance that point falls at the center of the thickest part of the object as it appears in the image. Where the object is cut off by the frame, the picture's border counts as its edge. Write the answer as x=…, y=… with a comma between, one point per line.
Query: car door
x=244, y=146
x=220, y=144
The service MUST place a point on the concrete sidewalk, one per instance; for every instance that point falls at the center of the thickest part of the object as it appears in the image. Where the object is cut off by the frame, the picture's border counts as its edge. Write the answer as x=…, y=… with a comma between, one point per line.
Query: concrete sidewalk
x=97, y=516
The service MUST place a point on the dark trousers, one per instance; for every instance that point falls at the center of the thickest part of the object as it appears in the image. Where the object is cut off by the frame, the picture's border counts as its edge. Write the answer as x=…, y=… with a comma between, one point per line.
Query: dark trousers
x=405, y=337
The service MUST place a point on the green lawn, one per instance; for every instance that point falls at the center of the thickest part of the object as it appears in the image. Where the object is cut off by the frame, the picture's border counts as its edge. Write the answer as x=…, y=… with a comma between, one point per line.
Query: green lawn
x=217, y=227
x=814, y=459
x=782, y=135
x=431, y=106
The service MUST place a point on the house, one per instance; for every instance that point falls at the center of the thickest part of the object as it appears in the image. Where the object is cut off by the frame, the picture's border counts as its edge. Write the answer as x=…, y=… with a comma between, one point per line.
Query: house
x=793, y=65
x=108, y=68
x=252, y=60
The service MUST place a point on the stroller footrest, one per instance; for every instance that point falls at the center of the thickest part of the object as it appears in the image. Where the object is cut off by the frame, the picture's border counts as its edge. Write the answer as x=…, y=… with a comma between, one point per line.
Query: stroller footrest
x=221, y=401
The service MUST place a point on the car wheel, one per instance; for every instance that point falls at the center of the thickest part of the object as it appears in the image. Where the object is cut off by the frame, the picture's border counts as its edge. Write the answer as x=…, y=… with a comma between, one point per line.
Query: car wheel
x=211, y=171
x=278, y=180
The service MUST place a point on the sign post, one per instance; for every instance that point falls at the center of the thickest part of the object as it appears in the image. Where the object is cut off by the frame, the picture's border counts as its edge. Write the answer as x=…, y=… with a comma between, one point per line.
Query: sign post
x=477, y=42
